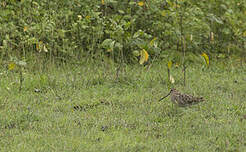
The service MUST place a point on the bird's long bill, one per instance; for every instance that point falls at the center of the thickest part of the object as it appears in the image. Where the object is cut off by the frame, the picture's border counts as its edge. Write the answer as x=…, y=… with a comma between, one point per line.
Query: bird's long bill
x=165, y=96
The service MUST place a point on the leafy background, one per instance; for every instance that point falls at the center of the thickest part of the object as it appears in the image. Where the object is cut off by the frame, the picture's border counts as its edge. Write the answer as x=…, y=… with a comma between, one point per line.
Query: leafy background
x=64, y=30
x=103, y=100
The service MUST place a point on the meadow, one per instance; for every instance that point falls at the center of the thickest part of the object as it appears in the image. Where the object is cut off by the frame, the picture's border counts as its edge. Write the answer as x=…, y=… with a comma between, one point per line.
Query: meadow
x=88, y=107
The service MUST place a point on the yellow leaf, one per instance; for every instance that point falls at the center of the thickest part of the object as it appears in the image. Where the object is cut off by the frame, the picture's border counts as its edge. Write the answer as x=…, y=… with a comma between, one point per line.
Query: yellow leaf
x=141, y=3
x=87, y=17
x=109, y=50
x=45, y=49
x=144, y=56
x=171, y=79
x=80, y=17
x=169, y=64
x=11, y=66
x=170, y=4
x=211, y=36
x=25, y=28
x=152, y=41
x=103, y=2
x=205, y=56
x=37, y=46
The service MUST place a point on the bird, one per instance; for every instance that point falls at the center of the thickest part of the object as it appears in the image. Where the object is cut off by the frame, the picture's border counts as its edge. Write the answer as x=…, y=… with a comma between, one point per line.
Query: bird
x=182, y=99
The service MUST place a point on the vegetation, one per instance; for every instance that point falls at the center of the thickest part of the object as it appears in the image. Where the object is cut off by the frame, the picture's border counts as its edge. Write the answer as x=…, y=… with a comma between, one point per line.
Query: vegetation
x=88, y=74
x=120, y=29
x=85, y=108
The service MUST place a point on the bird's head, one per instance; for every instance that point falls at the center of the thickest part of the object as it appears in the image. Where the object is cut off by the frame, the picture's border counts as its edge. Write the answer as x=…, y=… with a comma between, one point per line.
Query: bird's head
x=173, y=90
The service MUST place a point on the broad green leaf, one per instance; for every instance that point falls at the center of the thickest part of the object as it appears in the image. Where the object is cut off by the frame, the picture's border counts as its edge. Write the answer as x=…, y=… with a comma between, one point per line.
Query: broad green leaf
x=121, y=11
x=244, y=33
x=108, y=43
x=61, y=33
x=136, y=53
x=163, y=13
x=221, y=55
x=136, y=35
x=117, y=45
x=36, y=4
x=5, y=43
x=206, y=58
x=223, y=6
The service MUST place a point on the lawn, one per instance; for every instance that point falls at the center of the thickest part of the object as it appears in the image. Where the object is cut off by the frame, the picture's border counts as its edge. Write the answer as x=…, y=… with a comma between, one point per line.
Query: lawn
x=88, y=108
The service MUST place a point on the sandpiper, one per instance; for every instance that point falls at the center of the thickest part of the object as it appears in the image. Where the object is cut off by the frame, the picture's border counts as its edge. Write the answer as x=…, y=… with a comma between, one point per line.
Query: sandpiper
x=182, y=99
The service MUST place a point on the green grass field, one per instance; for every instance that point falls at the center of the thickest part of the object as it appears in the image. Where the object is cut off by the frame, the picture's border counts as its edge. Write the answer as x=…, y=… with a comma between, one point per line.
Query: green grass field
x=86, y=108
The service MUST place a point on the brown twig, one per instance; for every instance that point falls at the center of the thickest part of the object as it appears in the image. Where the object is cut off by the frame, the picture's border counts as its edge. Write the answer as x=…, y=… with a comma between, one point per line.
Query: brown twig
x=21, y=79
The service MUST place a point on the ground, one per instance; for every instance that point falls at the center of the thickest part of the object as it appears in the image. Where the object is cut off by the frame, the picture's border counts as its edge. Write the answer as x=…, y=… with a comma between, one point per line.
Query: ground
x=88, y=108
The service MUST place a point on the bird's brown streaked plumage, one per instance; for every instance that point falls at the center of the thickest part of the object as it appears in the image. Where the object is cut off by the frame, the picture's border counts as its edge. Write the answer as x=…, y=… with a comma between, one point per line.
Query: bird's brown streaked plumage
x=182, y=99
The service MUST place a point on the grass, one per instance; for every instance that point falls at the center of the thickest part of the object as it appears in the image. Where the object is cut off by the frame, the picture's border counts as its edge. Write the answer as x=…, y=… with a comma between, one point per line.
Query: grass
x=85, y=108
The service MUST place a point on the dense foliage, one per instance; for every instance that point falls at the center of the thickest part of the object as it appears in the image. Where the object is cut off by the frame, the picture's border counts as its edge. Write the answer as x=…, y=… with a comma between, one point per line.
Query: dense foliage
x=78, y=29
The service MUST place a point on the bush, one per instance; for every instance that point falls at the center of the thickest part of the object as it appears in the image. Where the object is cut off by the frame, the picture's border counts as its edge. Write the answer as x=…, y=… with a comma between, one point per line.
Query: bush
x=63, y=29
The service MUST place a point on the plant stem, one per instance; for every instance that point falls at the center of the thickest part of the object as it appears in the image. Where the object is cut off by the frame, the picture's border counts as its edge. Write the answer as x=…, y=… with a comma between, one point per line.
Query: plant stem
x=168, y=74
x=182, y=45
x=21, y=79
x=184, y=67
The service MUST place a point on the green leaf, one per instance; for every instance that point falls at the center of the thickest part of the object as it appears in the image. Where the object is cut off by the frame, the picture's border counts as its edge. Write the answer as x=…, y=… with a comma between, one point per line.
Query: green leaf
x=109, y=45
x=121, y=11
x=21, y=63
x=136, y=53
x=118, y=45
x=61, y=33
